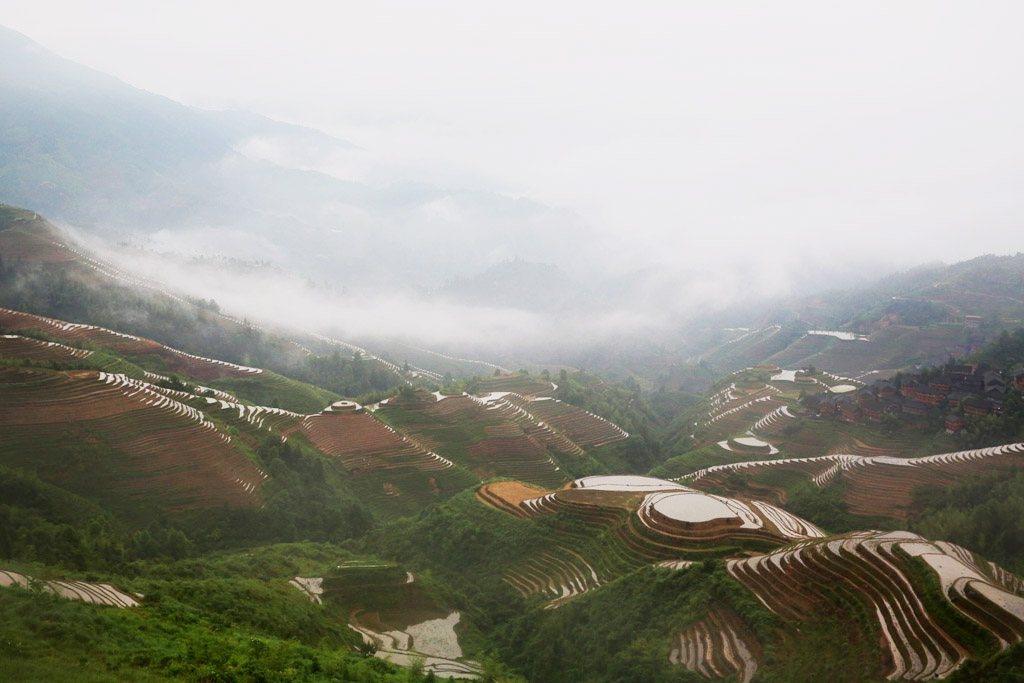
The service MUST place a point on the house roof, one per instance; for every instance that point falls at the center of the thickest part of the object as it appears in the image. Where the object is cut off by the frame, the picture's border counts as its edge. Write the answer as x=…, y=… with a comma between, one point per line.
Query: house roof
x=916, y=406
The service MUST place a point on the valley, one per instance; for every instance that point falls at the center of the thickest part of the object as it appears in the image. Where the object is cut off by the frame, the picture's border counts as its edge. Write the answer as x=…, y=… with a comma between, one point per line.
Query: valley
x=453, y=526
x=663, y=343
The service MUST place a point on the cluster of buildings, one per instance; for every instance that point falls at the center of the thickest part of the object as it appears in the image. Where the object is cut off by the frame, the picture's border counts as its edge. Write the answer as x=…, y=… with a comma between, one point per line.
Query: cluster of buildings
x=918, y=400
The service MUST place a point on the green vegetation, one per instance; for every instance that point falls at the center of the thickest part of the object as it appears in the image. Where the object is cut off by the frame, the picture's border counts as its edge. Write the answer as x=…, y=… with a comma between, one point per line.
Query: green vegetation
x=691, y=461
x=984, y=514
x=68, y=291
x=1005, y=667
x=823, y=506
x=1006, y=352
x=619, y=632
x=271, y=389
x=306, y=498
x=979, y=641
x=99, y=359
x=220, y=619
x=217, y=604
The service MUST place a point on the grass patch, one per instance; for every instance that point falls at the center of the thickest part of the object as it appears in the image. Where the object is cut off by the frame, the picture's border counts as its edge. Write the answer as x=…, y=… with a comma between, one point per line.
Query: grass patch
x=271, y=389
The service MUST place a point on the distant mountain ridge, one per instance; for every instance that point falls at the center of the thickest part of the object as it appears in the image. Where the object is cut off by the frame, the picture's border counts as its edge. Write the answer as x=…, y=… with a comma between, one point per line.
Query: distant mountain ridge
x=77, y=142
x=87, y=149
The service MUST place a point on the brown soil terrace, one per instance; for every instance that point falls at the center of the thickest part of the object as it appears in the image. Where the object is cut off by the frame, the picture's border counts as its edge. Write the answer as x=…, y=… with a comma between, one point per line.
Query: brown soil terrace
x=648, y=527
x=519, y=452
x=507, y=496
x=178, y=361
x=872, y=568
x=27, y=348
x=718, y=646
x=173, y=451
x=581, y=426
x=880, y=485
x=365, y=444
x=18, y=245
x=96, y=593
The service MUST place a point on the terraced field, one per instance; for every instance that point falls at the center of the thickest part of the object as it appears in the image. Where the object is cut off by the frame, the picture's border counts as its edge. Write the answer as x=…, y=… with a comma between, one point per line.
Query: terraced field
x=581, y=426
x=161, y=449
x=311, y=587
x=891, y=348
x=718, y=646
x=794, y=355
x=26, y=348
x=878, y=485
x=882, y=485
x=732, y=401
x=640, y=520
x=524, y=385
x=257, y=417
x=489, y=438
x=96, y=593
x=433, y=642
x=773, y=421
x=874, y=569
x=517, y=409
x=269, y=387
x=508, y=496
x=747, y=348
x=24, y=241
x=363, y=443
x=897, y=582
x=387, y=607
x=741, y=415
x=164, y=449
x=817, y=437
x=774, y=417
x=201, y=368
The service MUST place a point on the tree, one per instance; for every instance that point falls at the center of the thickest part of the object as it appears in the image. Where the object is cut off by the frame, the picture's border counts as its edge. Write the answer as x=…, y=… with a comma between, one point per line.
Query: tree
x=890, y=424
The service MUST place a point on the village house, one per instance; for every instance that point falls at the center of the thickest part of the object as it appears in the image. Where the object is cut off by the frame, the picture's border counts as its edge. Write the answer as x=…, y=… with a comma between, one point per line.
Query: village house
x=886, y=390
x=917, y=403
x=978, y=407
x=930, y=395
x=955, y=424
x=909, y=387
x=960, y=372
x=848, y=409
x=914, y=407
x=874, y=409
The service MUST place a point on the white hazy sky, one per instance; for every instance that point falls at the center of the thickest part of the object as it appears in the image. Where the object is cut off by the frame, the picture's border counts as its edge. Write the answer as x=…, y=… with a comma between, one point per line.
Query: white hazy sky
x=820, y=129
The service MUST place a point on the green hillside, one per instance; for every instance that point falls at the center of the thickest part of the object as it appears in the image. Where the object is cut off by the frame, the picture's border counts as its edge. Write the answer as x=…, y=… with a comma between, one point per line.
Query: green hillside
x=256, y=526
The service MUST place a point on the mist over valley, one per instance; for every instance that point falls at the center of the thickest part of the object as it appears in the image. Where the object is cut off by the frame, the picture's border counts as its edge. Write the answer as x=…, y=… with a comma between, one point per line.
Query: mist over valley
x=395, y=343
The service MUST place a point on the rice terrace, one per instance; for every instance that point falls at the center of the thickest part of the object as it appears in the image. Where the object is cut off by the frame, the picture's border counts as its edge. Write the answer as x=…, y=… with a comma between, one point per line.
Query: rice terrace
x=662, y=343
x=786, y=507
